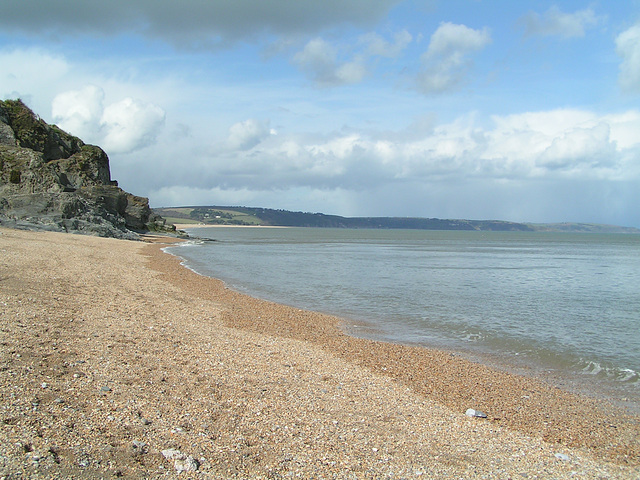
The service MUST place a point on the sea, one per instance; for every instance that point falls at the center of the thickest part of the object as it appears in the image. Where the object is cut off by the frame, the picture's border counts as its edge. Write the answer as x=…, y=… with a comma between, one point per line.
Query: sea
x=564, y=307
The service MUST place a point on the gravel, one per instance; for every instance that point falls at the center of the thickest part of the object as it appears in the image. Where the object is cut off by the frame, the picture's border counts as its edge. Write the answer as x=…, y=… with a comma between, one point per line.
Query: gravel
x=242, y=388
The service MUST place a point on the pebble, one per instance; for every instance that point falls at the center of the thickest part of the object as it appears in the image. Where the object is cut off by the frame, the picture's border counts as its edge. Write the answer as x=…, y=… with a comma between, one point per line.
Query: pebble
x=171, y=453
x=189, y=464
x=475, y=413
x=181, y=462
x=139, y=447
x=138, y=444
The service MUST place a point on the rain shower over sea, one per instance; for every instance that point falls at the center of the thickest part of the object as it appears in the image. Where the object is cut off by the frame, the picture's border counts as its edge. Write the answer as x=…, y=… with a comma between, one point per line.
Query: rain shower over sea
x=560, y=305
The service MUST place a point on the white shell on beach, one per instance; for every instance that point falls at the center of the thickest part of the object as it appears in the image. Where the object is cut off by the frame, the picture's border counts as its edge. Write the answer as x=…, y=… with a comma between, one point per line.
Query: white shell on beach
x=475, y=413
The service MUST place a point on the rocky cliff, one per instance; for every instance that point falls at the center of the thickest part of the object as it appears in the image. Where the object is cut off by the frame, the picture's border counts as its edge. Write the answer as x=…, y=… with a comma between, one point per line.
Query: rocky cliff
x=53, y=181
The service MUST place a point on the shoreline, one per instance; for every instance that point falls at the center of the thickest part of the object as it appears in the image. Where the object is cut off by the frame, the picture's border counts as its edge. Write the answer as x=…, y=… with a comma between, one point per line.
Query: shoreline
x=570, y=381
x=112, y=352
x=560, y=376
x=498, y=398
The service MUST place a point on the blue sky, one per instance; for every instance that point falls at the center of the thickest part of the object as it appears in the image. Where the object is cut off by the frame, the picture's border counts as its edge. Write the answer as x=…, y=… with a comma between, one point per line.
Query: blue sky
x=522, y=111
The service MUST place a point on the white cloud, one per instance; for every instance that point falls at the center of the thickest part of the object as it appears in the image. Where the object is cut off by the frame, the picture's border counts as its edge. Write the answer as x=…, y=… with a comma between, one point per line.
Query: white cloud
x=628, y=47
x=579, y=148
x=351, y=72
x=247, y=134
x=446, y=61
x=35, y=63
x=120, y=127
x=451, y=39
x=553, y=145
x=564, y=143
x=131, y=124
x=319, y=60
x=329, y=65
x=556, y=22
x=187, y=195
x=377, y=45
x=80, y=112
x=624, y=129
x=31, y=74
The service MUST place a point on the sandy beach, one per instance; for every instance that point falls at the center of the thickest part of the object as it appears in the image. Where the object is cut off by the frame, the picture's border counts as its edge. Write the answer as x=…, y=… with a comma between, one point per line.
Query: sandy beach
x=117, y=362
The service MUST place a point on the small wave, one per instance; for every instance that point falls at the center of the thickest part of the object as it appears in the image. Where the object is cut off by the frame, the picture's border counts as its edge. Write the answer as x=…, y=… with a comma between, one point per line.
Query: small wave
x=623, y=375
x=473, y=337
x=592, y=368
x=191, y=243
x=628, y=375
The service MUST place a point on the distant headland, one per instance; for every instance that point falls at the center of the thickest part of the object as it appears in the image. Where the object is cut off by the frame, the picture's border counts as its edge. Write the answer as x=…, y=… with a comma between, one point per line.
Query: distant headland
x=226, y=215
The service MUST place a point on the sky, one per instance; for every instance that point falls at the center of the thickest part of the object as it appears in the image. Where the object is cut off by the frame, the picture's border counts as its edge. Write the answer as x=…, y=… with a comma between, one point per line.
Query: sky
x=525, y=111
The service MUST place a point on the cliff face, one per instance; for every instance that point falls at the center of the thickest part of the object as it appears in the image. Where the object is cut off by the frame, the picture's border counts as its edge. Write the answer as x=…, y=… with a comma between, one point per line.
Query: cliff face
x=51, y=180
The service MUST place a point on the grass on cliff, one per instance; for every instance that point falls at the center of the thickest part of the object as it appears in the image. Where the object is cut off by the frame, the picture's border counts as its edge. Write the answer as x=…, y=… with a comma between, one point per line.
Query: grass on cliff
x=208, y=216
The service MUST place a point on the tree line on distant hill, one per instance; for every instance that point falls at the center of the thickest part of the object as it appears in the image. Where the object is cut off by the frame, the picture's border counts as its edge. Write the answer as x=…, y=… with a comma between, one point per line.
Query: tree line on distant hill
x=302, y=219
x=285, y=218
x=220, y=215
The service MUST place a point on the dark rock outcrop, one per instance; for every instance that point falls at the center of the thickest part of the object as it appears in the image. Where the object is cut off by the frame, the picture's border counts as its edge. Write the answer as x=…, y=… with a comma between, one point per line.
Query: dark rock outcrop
x=51, y=180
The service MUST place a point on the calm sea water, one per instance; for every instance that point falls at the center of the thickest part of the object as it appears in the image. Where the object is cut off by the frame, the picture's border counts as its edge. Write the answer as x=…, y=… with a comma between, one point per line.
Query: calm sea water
x=566, y=305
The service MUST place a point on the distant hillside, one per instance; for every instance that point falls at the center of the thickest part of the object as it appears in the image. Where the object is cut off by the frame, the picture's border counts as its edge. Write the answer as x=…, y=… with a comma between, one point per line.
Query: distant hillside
x=223, y=215
x=581, y=228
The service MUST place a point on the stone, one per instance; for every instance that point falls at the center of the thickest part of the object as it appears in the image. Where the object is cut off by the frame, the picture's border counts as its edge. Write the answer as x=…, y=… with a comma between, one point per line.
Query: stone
x=139, y=446
x=171, y=453
x=475, y=413
x=189, y=464
x=181, y=462
x=6, y=134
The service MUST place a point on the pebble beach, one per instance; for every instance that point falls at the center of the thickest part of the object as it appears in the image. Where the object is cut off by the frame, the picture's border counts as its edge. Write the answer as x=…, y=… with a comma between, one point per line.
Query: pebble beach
x=118, y=362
